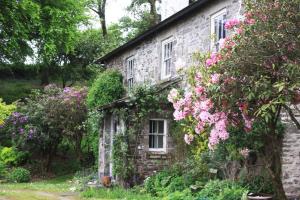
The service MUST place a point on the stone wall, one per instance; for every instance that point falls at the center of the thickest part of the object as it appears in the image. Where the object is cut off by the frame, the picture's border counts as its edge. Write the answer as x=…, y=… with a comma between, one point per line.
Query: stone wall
x=149, y=162
x=190, y=35
x=291, y=156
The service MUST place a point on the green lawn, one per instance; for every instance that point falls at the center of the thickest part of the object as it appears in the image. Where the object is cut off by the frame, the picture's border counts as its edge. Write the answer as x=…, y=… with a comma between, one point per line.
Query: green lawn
x=59, y=189
x=52, y=189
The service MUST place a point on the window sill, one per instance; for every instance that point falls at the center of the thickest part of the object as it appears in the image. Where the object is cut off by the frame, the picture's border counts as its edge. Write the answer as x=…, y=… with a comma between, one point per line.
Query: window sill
x=157, y=151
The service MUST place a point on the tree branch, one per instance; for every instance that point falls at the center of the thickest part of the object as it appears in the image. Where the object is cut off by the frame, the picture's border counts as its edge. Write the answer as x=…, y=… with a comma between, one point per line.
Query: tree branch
x=96, y=11
x=289, y=110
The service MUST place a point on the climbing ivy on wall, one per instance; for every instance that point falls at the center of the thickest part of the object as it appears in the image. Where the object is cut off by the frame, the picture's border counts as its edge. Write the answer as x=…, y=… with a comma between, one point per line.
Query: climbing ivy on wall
x=142, y=101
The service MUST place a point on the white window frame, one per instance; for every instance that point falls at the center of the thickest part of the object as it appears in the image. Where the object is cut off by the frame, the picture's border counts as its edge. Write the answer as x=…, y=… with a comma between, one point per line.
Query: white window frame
x=165, y=57
x=130, y=72
x=214, y=43
x=164, y=149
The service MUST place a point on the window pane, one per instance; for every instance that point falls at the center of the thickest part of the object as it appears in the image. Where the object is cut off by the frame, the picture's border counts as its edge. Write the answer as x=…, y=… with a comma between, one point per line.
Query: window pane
x=151, y=141
x=160, y=139
x=161, y=127
x=155, y=141
x=150, y=126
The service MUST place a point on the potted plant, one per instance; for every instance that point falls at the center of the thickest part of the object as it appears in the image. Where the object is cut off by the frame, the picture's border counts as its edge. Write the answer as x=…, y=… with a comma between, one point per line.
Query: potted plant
x=260, y=187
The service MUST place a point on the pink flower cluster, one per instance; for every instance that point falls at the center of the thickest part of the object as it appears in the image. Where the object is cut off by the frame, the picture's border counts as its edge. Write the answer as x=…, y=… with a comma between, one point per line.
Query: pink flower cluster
x=214, y=59
x=188, y=138
x=200, y=108
x=232, y=23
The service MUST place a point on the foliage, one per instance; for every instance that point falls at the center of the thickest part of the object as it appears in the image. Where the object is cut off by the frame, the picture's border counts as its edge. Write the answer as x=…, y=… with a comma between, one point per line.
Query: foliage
x=93, y=124
x=180, y=195
x=9, y=156
x=17, y=21
x=106, y=88
x=251, y=79
x=81, y=178
x=46, y=118
x=115, y=193
x=258, y=184
x=5, y=111
x=121, y=166
x=3, y=170
x=219, y=190
x=179, y=178
x=16, y=89
x=19, y=175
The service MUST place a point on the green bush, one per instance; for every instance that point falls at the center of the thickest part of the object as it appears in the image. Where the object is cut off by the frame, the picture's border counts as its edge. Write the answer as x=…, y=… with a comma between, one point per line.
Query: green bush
x=106, y=88
x=10, y=156
x=3, y=170
x=180, y=195
x=220, y=190
x=19, y=175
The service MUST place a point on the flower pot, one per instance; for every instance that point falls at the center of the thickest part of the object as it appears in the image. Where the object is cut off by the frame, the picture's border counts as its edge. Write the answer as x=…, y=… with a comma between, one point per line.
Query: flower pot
x=106, y=181
x=260, y=197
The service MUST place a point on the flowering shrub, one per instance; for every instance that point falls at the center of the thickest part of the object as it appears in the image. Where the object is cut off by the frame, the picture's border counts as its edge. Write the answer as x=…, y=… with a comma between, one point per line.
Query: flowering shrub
x=40, y=124
x=253, y=77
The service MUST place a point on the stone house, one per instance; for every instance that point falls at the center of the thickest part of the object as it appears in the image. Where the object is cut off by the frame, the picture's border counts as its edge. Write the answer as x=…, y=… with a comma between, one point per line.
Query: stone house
x=153, y=57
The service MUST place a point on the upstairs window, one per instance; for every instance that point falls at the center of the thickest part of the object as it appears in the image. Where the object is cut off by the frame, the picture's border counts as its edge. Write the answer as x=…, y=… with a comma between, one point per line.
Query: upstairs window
x=218, y=29
x=157, y=135
x=167, y=49
x=130, y=71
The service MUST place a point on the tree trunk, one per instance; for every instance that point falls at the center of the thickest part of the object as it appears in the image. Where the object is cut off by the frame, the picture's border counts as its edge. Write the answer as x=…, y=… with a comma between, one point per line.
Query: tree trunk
x=101, y=13
x=49, y=158
x=45, y=75
x=274, y=165
x=153, y=12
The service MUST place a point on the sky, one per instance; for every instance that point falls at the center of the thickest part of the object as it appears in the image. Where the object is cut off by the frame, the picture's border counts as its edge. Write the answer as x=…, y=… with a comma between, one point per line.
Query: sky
x=115, y=9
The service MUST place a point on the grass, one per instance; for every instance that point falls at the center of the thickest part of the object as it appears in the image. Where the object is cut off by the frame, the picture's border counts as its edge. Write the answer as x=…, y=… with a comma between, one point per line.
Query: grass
x=116, y=193
x=52, y=188
x=60, y=184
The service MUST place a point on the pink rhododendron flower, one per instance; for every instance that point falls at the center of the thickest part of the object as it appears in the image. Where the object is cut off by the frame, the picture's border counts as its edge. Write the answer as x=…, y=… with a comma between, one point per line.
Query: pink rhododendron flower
x=179, y=115
x=205, y=116
x=199, y=90
x=232, y=23
x=188, y=138
x=250, y=21
x=214, y=59
x=200, y=127
x=215, y=78
x=222, y=43
x=173, y=95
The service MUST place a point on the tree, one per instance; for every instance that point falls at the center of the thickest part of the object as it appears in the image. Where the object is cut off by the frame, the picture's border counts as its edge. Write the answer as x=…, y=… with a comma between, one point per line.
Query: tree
x=150, y=14
x=59, y=21
x=98, y=6
x=251, y=80
x=18, y=20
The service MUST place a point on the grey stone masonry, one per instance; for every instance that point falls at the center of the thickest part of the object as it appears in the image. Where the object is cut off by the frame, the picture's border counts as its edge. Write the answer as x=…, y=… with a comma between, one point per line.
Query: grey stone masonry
x=190, y=35
x=291, y=155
